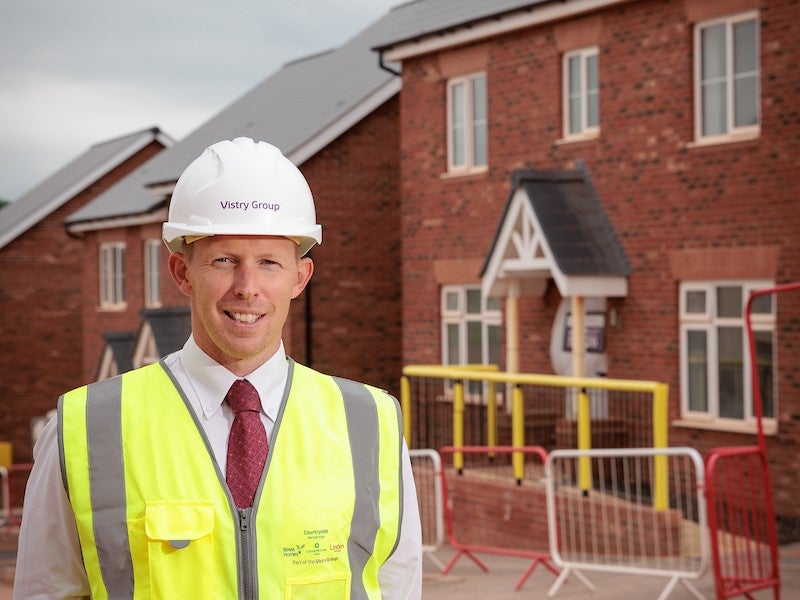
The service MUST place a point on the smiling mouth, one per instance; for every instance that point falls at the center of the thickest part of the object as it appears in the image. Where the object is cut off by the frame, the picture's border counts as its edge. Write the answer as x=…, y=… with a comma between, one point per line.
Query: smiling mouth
x=243, y=317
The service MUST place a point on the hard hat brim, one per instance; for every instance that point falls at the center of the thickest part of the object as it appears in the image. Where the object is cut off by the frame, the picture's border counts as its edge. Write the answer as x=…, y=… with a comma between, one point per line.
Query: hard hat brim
x=173, y=234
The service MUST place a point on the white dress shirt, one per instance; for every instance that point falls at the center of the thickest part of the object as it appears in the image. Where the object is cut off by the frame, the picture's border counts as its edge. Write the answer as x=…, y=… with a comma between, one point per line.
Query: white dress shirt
x=49, y=563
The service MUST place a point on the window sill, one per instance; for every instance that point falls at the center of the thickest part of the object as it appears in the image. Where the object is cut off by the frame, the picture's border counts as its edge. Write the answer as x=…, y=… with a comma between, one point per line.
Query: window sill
x=728, y=426
x=576, y=139
x=471, y=172
x=112, y=307
x=721, y=140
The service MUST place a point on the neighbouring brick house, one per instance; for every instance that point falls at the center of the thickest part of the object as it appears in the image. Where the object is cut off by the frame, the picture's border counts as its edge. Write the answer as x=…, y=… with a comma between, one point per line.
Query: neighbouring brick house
x=684, y=115
x=41, y=282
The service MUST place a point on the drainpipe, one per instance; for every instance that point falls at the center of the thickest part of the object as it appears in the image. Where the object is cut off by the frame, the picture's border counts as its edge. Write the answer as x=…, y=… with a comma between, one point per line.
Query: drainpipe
x=386, y=67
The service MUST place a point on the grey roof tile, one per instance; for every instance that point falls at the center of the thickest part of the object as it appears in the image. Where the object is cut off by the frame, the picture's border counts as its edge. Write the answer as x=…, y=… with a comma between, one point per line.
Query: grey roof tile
x=121, y=344
x=572, y=218
x=60, y=187
x=171, y=327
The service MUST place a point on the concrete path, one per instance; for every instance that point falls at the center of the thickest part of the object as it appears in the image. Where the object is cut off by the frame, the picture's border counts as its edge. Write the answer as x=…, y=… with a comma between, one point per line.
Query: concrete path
x=466, y=581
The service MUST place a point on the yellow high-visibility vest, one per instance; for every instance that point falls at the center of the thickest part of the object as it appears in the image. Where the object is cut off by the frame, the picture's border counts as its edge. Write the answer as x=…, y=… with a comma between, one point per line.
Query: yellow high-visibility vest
x=155, y=517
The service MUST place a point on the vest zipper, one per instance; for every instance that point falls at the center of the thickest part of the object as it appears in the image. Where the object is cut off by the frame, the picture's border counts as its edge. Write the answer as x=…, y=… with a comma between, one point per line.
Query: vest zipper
x=247, y=541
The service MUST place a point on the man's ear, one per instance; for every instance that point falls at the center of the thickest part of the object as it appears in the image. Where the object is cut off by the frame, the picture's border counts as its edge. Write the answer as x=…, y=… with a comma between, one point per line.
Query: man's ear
x=304, y=271
x=178, y=268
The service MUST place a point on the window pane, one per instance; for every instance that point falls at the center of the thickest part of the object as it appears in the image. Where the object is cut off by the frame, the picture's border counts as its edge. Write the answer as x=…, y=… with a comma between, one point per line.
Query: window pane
x=745, y=72
x=452, y=345
x=451, y=301
x=745, y=101
x=713, y=80
x=479, y=119
x=474, y=301
x=479, y=139
x=592, y=92
x=715, y=110
x=729, y=301
x=731, y=372
x=763, y=342
x=457, y=109
x=713, y=48
x=762, y=305
x=121, y=274
x=574, y=94
x=744, y=47
x=698, y=371
x=492, y=303
x=474, y=342
x=575, y=115
x=696, y=302
x=105, y=275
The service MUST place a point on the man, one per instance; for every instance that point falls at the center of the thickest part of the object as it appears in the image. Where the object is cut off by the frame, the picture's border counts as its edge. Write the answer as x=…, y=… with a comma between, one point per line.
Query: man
x=227, y=470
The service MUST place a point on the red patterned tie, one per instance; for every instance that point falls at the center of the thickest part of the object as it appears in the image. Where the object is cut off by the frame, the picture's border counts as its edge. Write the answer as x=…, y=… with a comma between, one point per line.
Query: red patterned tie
x=247, y=444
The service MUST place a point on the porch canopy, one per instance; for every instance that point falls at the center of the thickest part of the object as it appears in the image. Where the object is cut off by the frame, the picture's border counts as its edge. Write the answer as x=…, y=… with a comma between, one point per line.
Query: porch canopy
x=553, y=227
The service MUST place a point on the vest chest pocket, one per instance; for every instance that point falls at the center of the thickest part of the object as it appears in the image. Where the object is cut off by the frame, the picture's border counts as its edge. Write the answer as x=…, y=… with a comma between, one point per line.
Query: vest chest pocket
x=180, y=548
x=323, y=587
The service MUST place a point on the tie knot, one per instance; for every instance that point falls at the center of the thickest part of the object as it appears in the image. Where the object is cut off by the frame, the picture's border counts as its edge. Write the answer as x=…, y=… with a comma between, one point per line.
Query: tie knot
x=243, y=397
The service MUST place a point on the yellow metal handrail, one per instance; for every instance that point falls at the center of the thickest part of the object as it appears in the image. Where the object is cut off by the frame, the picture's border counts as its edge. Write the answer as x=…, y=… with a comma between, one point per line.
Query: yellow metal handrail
x=490, y=374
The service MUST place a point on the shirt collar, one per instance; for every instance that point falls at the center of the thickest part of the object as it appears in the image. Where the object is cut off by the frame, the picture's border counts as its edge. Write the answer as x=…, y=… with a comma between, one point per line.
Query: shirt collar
x=212, y=381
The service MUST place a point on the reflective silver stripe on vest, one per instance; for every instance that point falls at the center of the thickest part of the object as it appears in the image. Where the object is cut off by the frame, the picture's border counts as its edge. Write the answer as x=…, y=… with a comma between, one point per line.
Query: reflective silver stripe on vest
x=107, y=486
x=362, y=426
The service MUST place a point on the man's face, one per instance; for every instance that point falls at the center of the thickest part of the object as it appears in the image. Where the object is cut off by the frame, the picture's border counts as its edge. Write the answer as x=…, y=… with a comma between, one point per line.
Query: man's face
x=240, y=288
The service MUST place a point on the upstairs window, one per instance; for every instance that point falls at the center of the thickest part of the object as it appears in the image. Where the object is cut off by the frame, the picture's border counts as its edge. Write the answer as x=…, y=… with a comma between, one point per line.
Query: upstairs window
x=581, y=94
x=716, y=377
x=152, y=273
x=727, y=77
x=467, y=123
x=112, y=275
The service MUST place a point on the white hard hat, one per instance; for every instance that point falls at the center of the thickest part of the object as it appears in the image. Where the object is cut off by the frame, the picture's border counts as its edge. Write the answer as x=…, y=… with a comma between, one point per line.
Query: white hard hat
x=241, y=187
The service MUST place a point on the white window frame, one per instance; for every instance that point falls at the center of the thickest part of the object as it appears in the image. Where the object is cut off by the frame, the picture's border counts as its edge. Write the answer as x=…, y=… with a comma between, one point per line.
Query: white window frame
x=111, y=274
x=461, y=317
x=152, y=273
x=732, y=131
x=468, y=124
x=708, y=323
x=585, y=129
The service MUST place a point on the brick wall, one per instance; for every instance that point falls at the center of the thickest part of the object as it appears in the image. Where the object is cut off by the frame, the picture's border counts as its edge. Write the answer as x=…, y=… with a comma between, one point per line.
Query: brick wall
x=355, y=291
x=664, y=195
x=40, y=314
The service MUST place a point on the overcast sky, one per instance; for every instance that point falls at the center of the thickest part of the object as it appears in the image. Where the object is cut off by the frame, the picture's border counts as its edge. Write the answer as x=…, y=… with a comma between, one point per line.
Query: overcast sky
x=79, y=72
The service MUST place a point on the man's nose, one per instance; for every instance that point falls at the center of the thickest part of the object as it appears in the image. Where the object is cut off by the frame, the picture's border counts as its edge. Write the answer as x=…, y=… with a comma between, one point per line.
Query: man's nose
x=245, y=283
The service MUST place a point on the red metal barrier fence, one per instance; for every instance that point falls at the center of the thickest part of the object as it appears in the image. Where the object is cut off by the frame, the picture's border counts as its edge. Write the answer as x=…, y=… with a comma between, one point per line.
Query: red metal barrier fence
x=489, y=510
x=741, y=519
x=741, y=513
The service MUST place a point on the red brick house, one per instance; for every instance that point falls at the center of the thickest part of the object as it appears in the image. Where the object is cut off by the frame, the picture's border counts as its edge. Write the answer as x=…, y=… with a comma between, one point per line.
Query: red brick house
x=41, y=282
x=683, y=113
